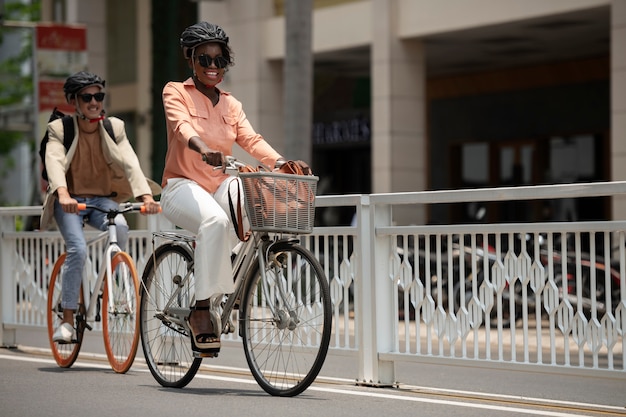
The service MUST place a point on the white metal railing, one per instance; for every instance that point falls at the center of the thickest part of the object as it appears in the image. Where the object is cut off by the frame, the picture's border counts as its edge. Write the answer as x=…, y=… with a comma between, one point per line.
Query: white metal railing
x=531, y=296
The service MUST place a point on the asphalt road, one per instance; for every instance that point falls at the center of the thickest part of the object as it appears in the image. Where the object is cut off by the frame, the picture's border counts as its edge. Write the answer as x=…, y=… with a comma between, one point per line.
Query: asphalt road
x=31, y=384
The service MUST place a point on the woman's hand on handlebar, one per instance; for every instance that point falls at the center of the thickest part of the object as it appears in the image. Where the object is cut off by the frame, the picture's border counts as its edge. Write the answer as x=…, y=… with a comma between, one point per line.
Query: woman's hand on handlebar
x=211, y=157
x=215, y=158
x=229, y=162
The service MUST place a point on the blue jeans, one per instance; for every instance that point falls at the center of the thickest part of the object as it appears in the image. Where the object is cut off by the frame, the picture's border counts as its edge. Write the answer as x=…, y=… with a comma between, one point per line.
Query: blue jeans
x=71, y=228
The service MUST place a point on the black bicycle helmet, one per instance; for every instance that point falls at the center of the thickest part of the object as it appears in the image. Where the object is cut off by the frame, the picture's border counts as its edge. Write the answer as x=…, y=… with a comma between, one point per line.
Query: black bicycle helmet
x=200, y=33
x=80, y=80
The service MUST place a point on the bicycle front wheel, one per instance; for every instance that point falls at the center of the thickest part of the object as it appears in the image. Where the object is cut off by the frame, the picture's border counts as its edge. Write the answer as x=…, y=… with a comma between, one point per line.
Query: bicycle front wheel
x=64, y=354
x=168, y=287
x=120, y=324
x=287, y=319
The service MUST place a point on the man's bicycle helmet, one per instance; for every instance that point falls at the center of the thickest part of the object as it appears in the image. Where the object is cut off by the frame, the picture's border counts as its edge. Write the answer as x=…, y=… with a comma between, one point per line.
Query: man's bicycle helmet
x=200, y=33
x=80, y=80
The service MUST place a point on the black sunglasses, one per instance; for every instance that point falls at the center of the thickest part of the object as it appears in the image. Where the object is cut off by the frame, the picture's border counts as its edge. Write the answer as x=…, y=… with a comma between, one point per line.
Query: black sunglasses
x=87, y=97
x=219, y=61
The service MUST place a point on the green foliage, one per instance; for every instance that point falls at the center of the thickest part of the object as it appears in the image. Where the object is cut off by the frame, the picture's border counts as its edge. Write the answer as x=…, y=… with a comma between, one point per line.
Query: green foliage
x=19, y=224
x=15, y=86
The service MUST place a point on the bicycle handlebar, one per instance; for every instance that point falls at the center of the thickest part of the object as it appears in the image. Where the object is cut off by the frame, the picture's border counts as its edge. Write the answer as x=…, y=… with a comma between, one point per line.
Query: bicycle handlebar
x=123, y=208
x=232, y=163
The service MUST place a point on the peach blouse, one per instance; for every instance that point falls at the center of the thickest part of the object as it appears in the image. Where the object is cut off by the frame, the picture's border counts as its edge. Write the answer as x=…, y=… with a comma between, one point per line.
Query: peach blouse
x=189, y=113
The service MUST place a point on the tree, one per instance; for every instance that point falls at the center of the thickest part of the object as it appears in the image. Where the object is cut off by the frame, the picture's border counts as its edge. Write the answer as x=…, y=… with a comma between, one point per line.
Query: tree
x=16, y=84
x=16, y=80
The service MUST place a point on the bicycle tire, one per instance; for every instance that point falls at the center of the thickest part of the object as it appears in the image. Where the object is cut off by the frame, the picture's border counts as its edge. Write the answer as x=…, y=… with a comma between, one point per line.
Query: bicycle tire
x=285, y=350
x=166, y=345
x=120, y=325
x=64, y=354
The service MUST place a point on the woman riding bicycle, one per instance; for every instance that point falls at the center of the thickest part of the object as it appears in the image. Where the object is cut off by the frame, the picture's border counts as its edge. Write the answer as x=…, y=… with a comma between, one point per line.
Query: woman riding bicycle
x=97, y=170
x=203, y=124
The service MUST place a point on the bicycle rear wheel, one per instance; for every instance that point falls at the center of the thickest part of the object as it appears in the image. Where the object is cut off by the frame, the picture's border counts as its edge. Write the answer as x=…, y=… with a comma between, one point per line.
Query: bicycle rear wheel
x=287, y=320
x=120, y=324
x=165, y=341
x=64, y=354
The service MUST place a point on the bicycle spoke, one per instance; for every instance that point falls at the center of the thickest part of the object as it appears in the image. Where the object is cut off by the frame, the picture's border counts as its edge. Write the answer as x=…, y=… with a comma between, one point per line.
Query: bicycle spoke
x=287, y=321
x=64, y=354
x=119, y=311
x=166, y=345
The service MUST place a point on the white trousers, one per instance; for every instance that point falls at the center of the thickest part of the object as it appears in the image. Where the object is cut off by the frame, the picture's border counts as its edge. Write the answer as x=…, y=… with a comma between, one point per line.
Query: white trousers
x=207, y=215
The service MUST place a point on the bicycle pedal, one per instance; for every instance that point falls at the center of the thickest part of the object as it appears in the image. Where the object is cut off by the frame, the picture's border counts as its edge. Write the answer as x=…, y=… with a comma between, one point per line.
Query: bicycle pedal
x=229, y=327
x=206, y=354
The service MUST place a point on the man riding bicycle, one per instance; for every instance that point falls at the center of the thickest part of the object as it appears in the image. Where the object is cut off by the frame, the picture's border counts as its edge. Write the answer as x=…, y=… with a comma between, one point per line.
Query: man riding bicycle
x=96, y=169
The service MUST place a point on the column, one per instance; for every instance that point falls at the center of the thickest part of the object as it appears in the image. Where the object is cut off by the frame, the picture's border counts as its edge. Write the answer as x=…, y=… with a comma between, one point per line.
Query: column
x=144, y=97
x=7, y=283
x=618, y=103
x=398, y=110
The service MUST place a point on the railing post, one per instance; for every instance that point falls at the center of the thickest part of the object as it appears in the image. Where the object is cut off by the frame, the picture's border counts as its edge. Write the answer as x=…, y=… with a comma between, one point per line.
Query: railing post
x=375, y=335
x=159, y=223
x=364, y=315
x=7, y=285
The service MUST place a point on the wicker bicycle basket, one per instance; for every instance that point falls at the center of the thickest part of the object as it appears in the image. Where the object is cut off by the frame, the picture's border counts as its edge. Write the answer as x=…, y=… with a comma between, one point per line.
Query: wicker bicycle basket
x=277, y=202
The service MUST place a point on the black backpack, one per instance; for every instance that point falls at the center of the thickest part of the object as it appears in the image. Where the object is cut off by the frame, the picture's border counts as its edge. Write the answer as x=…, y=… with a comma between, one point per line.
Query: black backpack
x=68, y=135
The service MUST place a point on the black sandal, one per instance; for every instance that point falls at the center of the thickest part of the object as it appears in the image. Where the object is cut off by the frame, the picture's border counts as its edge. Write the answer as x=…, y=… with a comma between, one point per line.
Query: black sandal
x=202, y=342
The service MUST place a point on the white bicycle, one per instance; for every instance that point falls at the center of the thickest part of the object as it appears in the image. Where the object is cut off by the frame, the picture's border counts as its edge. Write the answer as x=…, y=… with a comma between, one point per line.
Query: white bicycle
x=116, y=290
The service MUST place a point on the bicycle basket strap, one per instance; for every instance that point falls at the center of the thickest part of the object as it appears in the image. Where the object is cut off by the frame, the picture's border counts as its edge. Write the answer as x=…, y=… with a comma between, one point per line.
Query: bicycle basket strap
x=237, y=218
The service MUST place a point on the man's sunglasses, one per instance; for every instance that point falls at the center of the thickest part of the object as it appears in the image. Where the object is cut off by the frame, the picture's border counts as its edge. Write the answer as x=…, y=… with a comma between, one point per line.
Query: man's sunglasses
x=219, y=61
x=86, y=98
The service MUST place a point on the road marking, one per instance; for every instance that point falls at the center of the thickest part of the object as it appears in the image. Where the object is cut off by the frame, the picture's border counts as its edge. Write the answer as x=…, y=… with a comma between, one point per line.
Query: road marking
x=369, y=392
x=51, y=361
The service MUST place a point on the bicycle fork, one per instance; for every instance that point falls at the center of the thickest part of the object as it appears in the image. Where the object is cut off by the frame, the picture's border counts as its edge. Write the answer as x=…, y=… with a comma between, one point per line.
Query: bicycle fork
x=279, y=300
x=125, y=277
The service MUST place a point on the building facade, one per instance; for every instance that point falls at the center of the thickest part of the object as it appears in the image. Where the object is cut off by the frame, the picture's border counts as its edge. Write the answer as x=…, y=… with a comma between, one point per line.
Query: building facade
x=408, y=95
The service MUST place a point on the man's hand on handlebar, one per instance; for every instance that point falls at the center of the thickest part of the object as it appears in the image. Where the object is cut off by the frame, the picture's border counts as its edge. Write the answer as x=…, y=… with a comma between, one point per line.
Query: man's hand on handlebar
x=151, y=206
x=68, y=204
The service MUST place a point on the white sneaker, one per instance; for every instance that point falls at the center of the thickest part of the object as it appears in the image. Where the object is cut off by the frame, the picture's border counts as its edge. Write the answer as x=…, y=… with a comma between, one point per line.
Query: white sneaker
x=64, y=334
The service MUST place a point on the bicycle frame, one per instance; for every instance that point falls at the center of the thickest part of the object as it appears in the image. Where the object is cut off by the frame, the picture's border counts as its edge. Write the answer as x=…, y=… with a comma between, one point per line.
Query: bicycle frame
x=280, y=293
x=92, y=296
x=251, y=251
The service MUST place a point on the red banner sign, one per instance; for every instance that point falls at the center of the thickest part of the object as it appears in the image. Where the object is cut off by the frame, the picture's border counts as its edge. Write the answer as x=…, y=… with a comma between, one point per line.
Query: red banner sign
x=67, y=38
x=51, y=96
x=61, y=50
